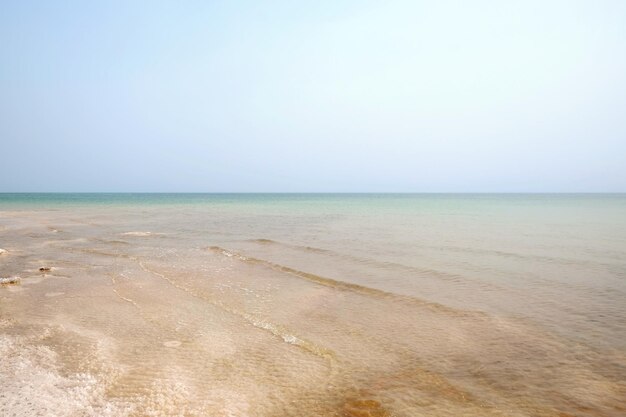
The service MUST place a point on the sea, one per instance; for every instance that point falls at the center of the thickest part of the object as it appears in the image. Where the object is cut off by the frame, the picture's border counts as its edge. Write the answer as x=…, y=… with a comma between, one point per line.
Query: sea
x=313, y=304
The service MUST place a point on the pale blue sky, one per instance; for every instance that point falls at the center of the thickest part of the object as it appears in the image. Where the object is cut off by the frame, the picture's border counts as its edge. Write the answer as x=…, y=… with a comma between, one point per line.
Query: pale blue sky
x=416, y=96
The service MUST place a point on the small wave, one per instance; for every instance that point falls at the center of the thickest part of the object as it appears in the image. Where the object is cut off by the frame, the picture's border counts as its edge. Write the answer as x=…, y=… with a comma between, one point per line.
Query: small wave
x=300, y=247
x=372, y=262
x=332, y=283
x=268, y=241
x=112, y=242
x=525, y=257
x=140, y=234
x=100, y=252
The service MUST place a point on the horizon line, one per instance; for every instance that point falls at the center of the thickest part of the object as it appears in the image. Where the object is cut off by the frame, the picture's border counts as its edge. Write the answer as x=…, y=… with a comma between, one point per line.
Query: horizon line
x=312, y=192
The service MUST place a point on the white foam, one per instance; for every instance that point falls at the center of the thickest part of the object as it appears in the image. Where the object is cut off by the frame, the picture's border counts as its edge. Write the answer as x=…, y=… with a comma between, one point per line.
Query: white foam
x=140, y=234
x=10, y=280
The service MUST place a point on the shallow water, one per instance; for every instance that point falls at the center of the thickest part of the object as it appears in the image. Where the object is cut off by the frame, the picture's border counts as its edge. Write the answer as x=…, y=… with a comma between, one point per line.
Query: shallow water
x=321, y=305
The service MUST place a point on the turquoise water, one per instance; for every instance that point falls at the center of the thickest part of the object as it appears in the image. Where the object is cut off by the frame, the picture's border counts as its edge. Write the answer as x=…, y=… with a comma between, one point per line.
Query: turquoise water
x=35, y=199
x=602, y=210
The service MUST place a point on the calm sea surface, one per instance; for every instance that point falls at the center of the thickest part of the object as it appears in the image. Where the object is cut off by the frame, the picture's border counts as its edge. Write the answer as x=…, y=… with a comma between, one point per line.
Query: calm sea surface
x=314, y=304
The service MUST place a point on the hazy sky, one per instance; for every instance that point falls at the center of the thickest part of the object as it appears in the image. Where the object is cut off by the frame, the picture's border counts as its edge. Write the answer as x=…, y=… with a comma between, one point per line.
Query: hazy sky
x=421, y=96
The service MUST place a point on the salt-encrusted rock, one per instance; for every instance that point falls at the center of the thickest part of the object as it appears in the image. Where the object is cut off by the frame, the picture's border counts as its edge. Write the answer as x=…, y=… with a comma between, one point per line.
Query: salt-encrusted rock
x=10, y=280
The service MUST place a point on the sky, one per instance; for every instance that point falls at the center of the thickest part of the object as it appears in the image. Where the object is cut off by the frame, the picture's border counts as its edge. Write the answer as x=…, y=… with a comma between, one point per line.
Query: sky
x=325, y=96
